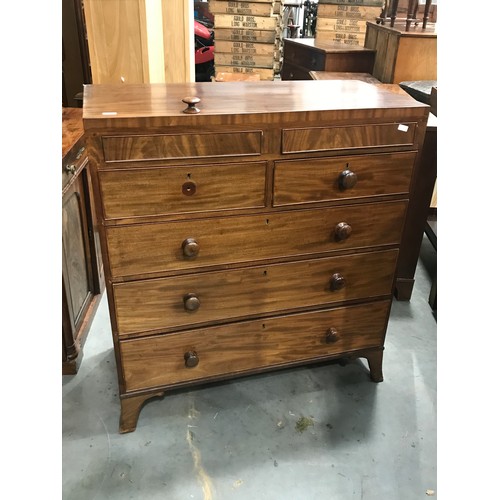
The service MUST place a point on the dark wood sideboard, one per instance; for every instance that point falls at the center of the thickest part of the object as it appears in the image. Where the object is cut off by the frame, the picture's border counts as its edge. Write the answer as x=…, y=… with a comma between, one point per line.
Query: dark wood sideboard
x=302, y=55
x=82, y=269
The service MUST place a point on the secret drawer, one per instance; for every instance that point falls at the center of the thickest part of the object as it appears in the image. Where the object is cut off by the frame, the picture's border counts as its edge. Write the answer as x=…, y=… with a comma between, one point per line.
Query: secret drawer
x=251, y=346
x=300, y=140
x=340, y=178
x=183, y=301
x=142, y=249
x=170, y=190
x=177, y=146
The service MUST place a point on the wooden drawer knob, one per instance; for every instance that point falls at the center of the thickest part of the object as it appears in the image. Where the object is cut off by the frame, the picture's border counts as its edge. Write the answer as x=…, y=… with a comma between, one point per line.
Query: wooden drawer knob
x=190, y=247
x=191, y=359
x=191, y=302
x=342, y=231
x=337, y=282
x=332, y=336
x=191, y=102
x=347, y=179
x=189, y=188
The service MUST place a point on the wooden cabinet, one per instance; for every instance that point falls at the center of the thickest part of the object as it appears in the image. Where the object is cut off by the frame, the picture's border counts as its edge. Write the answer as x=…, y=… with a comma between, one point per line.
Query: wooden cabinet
x=260, y=233
x=302, y=55
x=402, y=55
x=82, y=270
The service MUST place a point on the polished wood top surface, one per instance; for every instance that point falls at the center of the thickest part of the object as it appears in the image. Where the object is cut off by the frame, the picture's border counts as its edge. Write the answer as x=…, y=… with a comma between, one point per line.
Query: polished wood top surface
x=327, y=46
x=72, y=128
x=235, y=102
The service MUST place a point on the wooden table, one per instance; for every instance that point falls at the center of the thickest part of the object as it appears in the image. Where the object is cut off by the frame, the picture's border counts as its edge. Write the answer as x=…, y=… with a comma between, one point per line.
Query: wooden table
x=342, y=75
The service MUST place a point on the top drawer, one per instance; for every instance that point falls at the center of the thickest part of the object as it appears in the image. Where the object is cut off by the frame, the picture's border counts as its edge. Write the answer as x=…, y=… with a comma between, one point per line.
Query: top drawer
x=177, y=146
x=299, y=140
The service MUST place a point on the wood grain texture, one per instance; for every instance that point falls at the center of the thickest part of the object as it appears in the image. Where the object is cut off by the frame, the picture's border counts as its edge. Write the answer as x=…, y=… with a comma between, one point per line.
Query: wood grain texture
x=315, y=180
x=247, y=35
x=154, y=248
x=156, y=191
x=148, y=305
x=351, y=137
x=242, y=103
x=173, y=146
x=232, y=349
x=117, y=40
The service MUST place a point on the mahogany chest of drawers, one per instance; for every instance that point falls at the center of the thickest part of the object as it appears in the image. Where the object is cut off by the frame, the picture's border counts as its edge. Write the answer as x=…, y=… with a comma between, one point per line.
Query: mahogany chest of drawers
x=260, y=233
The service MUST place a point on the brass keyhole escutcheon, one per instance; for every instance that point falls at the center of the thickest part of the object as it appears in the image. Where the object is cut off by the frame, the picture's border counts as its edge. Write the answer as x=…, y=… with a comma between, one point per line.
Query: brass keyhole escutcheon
x=189, y=188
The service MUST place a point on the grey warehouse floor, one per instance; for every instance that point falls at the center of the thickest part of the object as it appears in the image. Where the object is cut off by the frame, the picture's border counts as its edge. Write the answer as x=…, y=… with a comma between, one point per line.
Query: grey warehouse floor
x=240, y=439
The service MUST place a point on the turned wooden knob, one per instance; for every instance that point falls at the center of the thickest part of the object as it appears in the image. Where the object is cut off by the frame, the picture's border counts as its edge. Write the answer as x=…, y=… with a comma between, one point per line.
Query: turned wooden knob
x=189, y=188
x=191, y=102
x=191, y=359
x=332, y=335
x=337, y=282
x=191, y=302
x=342, y=231
x=190, y=247
x=347, y=179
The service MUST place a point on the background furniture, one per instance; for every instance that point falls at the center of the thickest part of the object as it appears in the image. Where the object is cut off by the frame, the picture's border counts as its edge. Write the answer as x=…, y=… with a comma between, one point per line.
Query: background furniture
x=342, y=75
x=402, y=54
x=302, y=55
x=260, y=230
x=82, y=273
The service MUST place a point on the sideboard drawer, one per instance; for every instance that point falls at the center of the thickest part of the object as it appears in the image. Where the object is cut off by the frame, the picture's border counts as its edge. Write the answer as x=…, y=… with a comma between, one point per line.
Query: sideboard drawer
x=301, y=140
x=176, y=146
x=169, y=190
x=251, y=345
x=155, y=248
x=346, y=177
x=157, y=304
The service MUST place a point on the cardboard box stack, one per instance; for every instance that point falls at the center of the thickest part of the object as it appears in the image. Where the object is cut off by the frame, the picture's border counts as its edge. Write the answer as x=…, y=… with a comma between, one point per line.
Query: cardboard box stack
x=345, y=20
x=247, y=37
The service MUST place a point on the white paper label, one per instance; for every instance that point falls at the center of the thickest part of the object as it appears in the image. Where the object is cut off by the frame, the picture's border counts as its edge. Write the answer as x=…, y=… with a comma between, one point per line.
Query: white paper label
x=112, y=113
x=403, y=128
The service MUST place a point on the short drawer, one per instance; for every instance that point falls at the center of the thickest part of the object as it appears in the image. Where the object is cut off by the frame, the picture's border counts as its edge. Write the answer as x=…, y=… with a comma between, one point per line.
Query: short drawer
x=170, y=190
x=181, y=245
x=301, y=140
x=340, y=178
x=177, y=146
x=251, y=346
x=183, y=301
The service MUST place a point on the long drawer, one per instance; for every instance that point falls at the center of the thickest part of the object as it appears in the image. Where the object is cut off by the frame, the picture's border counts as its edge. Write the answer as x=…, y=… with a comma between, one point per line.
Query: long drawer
x=193, y=188
x=340, y=178
x=157, y=304
x=248, y=346
x=193, y=244
x=172, y=146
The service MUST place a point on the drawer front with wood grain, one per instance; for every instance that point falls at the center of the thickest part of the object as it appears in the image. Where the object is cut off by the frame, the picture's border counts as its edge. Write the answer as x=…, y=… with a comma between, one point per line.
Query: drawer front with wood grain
x=177, y=146
x=301, y=140
x=172, y=190
x=193, y=244
x=341, y=178
x=304, y=56
x=180, y=301
x=252, y=345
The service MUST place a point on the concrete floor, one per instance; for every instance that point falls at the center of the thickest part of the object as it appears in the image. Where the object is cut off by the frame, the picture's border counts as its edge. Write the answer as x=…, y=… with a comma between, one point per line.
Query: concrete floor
x=239, y=440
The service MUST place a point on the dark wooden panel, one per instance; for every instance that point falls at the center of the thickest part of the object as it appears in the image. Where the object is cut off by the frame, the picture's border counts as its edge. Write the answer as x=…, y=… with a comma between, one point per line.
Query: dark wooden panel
x=248, y=346
x=320, y=179
x=350, y=137
x=155, y=248
x=170, y=146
